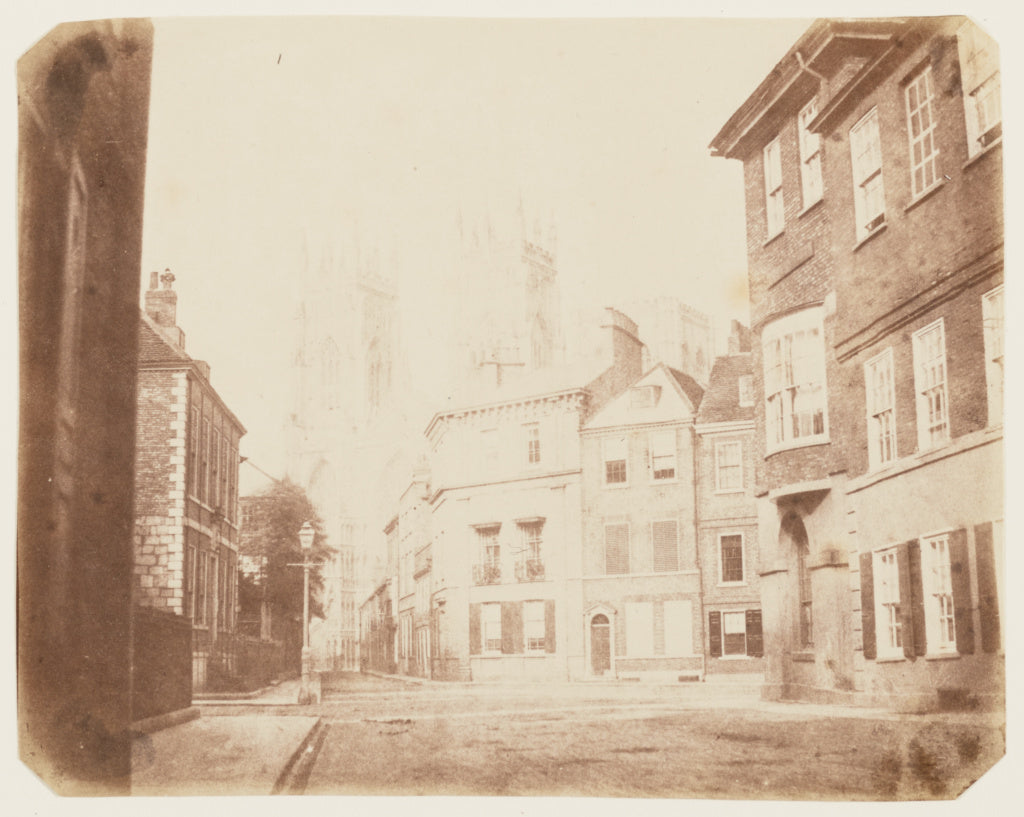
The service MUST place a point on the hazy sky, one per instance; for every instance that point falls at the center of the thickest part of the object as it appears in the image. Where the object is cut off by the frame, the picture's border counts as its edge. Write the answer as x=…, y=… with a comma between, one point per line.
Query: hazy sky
x=380, y=130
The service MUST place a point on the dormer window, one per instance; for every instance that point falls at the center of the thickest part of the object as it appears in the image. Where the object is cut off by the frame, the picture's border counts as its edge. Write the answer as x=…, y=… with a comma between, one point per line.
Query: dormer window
x=644, y=396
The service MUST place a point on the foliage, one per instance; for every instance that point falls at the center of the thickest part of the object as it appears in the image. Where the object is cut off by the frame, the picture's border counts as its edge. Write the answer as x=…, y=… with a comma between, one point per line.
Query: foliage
x=280, y=512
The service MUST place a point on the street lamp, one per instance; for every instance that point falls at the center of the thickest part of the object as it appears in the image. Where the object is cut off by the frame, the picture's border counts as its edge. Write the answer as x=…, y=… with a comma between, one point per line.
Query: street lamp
x=306, y=536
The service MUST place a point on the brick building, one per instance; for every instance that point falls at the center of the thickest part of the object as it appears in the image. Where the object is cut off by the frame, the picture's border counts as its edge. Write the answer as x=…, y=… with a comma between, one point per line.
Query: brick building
x=873, y=164
x=639, y=587
x=186, y=488
x=727, y=517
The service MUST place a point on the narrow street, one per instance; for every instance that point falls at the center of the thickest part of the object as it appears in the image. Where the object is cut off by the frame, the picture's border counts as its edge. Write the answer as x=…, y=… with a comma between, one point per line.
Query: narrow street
x=386, y=736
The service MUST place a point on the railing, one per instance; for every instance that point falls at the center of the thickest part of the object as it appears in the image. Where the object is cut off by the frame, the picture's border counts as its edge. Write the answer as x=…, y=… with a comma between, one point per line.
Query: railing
x=530, y=570
x=487, y=573
x=241, y=662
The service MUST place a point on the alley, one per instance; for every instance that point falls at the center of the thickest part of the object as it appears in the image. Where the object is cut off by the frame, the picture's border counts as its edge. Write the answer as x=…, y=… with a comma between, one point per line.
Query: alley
x=383, y=736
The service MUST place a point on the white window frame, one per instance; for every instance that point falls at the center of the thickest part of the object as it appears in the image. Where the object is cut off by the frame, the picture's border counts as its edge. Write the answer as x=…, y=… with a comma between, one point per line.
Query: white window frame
x=721, y=449
x=794, y=371
x=868, y=186
x=533, y=627
x=880, y=404
x=992, y=306
x=981, y=86
x=531, y=432
x=490, y=627
x=931, y=386
x=660, y=454
x=722, y=582
x=937, y=584
x=810, y=156
x=615, y=449
x=775, y=216
x=921, y=131
x=889, y=633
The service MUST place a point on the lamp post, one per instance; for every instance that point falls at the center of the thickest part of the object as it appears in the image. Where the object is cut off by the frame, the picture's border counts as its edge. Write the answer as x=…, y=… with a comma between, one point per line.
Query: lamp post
x=306, y=536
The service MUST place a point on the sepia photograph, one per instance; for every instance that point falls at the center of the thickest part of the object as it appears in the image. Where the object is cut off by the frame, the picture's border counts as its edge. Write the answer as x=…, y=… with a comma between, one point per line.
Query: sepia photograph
x=510, y=403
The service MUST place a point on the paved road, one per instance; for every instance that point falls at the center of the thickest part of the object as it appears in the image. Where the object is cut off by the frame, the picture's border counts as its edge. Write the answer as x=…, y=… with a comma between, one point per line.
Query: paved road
x=382, y=736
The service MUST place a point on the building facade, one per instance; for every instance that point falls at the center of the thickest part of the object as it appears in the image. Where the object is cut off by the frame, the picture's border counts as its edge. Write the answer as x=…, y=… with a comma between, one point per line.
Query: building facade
x=873, y=172
x=727, y=516
x=186, y=489
x=638, y=604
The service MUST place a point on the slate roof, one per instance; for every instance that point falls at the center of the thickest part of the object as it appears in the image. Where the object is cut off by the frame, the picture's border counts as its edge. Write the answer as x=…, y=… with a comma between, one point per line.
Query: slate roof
x=721, y=403
x=691, y=388
x=154, y=347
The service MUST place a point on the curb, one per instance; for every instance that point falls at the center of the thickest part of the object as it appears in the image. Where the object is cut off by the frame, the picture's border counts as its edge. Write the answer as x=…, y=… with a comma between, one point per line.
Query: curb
x=168, y=719
x=295, y=773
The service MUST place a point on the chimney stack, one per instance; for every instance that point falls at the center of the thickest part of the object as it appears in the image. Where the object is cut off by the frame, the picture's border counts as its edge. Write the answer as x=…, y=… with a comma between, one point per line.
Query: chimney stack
x=739, y=338
x=162, y=304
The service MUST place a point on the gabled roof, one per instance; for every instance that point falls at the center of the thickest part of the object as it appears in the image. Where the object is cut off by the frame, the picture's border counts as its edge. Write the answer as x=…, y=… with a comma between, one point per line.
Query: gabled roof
x=154, y=346
x=677, y=401
x=721, y=403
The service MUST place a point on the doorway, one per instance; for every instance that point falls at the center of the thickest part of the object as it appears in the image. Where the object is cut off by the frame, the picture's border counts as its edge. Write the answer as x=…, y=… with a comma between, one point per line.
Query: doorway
x=600, y=645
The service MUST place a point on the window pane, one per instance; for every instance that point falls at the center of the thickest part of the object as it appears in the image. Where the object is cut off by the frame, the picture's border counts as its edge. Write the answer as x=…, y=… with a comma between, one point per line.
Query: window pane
x=732, y=557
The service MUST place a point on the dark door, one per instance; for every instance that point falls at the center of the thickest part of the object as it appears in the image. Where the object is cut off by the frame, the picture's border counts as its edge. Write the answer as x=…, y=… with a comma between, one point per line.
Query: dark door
x=600, y=645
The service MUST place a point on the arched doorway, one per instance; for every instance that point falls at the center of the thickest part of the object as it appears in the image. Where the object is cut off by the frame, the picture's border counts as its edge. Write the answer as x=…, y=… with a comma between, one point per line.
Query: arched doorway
x=600, y=644
x=793, y=538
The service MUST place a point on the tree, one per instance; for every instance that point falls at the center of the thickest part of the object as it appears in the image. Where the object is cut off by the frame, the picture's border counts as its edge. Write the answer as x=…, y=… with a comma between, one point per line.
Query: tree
x=270, y=546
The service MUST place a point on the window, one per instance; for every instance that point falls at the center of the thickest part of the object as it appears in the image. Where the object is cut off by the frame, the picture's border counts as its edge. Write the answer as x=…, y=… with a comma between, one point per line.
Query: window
x=678, y=627
x=225, y=500
x=878, y=378
x=869, y=193
x=214, y=499
x=489, y=570
x=810, y=155
x=980, y=82
x=532, y=443
x=489, y=447
x=205, y=482
x=639, y=629
x=992, y=319
x=930, y=385
x=730, y=549
x=663, y=455
x=490, y=621
x=616, y=548
x=776, y=218
x=936, y=578
x=804, y=589
x=194, y=459
x=529, y=566
x=615, y=460
x=729, y=466
x=533, y=625
x=746, y=389
x=888, y=617
x=921, y=129
x=666, y=545
x=203, y=559
x=190, y=579
x=794, y=375
x=644, y=396
x=735, y=633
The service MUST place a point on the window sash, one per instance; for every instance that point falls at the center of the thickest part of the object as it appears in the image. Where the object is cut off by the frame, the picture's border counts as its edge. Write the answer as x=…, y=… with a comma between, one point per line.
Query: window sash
x=930, y=381
x=810, y=156
x=940, y=622
x=730, y=549
x=992, y=320
x=533, y=626
x=774, y=205
x=921, y=130
x=614, y=449
x=533, y=444
x=866, y=152
x=663, y=455
x=795, y=398
x=879, y=380
x=729, y=466
x=490, y=622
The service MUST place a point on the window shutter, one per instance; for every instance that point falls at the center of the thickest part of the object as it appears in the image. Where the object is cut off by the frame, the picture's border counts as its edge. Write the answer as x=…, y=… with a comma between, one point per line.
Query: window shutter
x=511, y=627
x=616, y=540
x=960, y=577
x=666, y=556
x=916, y=601
x=988, y=599
x=906, y=599
x=474, y=629
x=867, y=605
x=755, y=639
x=715, y=633
x=549, y=625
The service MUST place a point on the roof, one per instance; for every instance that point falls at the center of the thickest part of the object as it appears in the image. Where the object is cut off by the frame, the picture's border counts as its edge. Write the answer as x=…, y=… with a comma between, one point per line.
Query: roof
x=676, y=401
x=691, y=388
x=721, y=403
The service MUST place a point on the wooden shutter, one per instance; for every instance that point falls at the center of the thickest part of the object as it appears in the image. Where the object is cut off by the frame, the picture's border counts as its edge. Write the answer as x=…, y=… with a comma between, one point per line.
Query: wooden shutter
x=755, y=637
x=474, y=629
x=988, y=599
x=549, y=625
x=960, y=578
x=906, y=599
x=867, y=605
x=920, y=632
x=666, y=556
x=616, y=543
x=511, y=627
x=715, y=633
